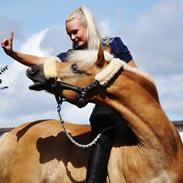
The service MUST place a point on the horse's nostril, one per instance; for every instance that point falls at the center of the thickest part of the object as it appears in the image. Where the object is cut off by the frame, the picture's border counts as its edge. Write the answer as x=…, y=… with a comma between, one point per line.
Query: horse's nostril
x=35, y=73
x=32, y=70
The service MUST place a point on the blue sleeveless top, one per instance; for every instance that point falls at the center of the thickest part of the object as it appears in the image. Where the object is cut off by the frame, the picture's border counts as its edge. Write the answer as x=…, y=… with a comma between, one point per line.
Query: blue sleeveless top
x=119, y=50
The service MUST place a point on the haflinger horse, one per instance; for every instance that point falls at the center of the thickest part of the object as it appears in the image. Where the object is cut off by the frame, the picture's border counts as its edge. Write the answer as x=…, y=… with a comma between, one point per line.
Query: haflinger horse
x=147, y=147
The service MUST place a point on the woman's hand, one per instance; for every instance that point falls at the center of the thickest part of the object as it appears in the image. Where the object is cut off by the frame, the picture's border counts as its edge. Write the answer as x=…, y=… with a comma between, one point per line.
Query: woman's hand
x=7, y=44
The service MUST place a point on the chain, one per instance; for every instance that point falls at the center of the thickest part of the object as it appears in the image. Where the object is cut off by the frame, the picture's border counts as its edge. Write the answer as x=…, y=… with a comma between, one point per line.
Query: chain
x=94, y=141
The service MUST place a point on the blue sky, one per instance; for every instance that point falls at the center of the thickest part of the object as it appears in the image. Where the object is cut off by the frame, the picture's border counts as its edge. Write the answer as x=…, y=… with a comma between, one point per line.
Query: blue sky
x=151, y=29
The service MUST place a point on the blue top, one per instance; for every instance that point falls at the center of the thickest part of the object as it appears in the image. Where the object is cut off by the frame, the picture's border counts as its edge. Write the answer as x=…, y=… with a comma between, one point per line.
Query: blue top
x=119, y=50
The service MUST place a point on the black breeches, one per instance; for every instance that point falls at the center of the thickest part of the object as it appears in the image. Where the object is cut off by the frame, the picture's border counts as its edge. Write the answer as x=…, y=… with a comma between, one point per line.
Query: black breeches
x=103, y=117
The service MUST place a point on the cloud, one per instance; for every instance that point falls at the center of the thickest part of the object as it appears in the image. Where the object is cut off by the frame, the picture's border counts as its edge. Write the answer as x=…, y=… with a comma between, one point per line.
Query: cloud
x=105, y=28
x=32, y=44
x=155, y=40
x=170, y=89
x=157, y=35
x=55, y=41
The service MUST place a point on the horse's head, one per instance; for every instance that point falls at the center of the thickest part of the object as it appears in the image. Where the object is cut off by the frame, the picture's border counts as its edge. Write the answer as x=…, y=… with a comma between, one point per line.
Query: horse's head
x=73, y=77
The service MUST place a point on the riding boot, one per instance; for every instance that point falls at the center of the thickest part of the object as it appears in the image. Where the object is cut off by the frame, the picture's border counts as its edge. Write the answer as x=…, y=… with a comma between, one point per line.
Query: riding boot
x=98, y=161
x=101, y=118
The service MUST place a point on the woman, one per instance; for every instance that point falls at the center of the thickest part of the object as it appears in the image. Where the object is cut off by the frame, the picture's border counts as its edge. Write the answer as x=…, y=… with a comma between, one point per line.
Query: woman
x=84, y=34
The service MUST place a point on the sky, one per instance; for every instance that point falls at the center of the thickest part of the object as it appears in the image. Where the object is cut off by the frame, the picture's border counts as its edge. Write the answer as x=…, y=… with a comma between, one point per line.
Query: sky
x=152, y=31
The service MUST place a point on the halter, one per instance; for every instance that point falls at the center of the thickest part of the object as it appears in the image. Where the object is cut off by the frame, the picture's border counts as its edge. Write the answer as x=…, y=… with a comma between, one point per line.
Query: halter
x=81, y=92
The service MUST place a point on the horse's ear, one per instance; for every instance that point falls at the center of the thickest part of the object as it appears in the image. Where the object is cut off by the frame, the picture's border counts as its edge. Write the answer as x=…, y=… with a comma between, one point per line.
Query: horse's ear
x=100, y=58
x=108, y=49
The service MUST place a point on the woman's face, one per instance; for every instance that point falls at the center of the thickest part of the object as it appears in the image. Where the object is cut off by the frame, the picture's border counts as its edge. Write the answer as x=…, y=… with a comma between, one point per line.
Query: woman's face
x=77, y=33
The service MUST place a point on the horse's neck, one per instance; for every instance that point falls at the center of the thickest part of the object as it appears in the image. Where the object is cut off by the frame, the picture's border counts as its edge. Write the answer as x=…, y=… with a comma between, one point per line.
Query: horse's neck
x=135, y=98
x=133, y=88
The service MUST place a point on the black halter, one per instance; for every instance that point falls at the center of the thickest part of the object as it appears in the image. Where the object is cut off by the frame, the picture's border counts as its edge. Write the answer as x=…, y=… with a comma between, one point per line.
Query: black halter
x=82, y=92
x=40, y=83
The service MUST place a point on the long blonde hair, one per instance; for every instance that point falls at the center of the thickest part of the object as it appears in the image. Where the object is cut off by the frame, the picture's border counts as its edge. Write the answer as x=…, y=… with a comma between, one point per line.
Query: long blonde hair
x=85, y=18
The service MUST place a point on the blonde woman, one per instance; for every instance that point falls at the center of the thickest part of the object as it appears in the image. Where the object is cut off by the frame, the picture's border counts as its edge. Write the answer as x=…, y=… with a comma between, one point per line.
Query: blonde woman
x=84, y=34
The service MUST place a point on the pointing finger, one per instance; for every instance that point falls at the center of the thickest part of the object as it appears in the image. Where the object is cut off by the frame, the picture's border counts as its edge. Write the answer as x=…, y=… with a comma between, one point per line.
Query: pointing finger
x=12, y=35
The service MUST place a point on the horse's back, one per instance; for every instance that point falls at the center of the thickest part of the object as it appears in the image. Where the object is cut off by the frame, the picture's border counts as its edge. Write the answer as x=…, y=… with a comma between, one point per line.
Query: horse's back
x=33, y=151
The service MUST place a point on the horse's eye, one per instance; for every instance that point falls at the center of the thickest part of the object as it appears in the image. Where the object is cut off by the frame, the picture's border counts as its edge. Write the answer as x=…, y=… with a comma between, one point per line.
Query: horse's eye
x=75, y=69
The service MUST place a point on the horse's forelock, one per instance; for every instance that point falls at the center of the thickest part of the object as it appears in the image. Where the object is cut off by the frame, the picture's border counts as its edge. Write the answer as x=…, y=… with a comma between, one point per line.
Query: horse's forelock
x=86, y=57
x=82, y=55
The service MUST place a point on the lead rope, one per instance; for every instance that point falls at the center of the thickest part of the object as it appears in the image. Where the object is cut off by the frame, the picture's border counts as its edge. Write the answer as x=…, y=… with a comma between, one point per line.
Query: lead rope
x=94, y=141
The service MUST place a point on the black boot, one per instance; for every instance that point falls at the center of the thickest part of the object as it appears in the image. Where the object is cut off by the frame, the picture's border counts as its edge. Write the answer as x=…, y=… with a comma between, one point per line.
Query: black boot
x=98, y=161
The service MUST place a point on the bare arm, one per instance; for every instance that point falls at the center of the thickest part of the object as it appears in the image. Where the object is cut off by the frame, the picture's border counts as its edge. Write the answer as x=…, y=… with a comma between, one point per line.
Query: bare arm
x=25, y=59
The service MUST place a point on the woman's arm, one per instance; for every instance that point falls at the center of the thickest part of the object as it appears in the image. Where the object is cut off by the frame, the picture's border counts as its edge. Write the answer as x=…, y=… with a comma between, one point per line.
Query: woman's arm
x=121, y=51
x=25, y=59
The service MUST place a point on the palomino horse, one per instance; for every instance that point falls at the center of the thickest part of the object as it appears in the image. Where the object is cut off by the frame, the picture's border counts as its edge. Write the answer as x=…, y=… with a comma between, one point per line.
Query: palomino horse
x=146, y=149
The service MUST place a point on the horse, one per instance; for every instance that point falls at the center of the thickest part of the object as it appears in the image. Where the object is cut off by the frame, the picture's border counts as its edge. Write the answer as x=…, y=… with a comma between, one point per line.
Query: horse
x=147, y=147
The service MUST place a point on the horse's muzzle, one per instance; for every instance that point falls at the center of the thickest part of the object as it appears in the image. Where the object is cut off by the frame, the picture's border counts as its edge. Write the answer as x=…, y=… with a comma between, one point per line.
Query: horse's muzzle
x=36, y=74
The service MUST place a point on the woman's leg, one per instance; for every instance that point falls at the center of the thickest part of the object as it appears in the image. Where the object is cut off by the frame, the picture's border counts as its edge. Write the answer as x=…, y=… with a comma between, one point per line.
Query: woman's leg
x=98, y=161
x=101, y=117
